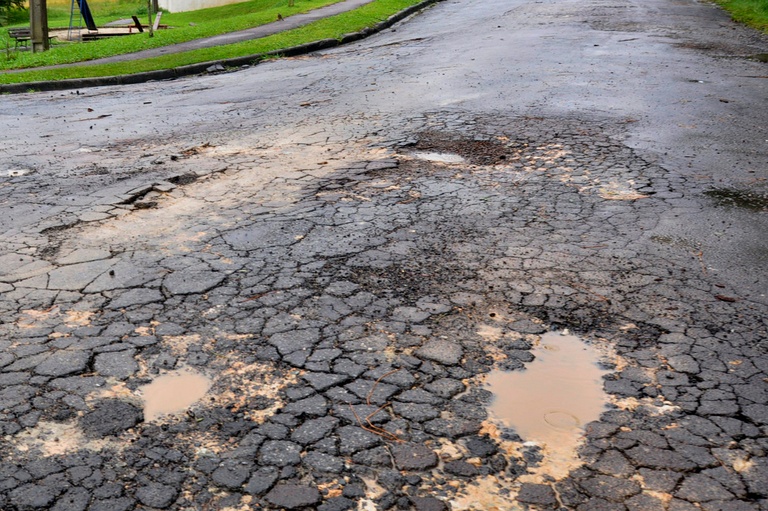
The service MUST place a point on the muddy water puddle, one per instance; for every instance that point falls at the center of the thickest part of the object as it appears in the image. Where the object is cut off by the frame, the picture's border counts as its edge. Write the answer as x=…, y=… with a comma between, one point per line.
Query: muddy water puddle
x=549, y=403
x=173, y=393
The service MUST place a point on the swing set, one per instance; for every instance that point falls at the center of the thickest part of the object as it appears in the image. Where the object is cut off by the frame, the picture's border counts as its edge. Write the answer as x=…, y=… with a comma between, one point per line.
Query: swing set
x=75, y=31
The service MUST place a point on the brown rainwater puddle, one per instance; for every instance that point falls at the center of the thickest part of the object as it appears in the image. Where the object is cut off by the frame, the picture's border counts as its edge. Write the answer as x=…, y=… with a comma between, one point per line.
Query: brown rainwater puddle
x=172, y=393
x=550, y=402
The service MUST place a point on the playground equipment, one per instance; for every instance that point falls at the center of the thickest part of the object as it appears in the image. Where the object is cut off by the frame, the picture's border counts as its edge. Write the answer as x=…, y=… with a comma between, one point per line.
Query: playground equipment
x=85, y=16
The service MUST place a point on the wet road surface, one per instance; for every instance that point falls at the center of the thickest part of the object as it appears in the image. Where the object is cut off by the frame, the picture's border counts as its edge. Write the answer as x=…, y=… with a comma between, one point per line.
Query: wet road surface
x=334, y=251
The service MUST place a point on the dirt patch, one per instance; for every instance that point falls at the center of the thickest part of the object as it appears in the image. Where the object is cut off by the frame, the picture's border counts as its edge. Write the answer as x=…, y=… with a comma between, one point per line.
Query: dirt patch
x=34, y=318
x=743, y=199
x=56, y=438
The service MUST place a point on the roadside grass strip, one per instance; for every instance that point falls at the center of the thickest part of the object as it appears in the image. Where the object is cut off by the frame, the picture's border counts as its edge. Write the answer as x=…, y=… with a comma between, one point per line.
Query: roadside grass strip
x=750, y=12
x=334, y=27
x=186, y=26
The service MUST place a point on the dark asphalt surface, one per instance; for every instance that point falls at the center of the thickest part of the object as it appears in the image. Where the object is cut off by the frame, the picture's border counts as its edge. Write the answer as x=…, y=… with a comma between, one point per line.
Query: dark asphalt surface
x=276, y=230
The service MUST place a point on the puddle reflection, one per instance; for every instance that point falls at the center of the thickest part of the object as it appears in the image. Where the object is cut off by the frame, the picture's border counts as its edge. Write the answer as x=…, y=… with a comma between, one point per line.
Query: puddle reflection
x=552, y=399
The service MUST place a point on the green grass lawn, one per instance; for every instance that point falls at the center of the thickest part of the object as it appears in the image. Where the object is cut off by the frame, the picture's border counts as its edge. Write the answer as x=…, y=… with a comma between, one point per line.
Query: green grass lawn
x=751, y=12
x=333, y=27
x=187, y=26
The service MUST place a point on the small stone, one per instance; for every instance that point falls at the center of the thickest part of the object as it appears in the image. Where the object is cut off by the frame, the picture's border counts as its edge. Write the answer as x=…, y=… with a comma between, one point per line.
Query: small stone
x=274, y=431
x=644, y=502
x=324, y=462
x=337, y=504
x=354, y=438
x=481, y=447
x=442, y=351
x=295, y=340
x=76, y=499
x=538, y=494
x=614, y=463
x=414, y=456
x=376, y=457
x=417, y=412
x=293, y=496
x=445, y=387
x=262, y=480
x=651, y=457
x=116, y=504
x=315, y=406
x=372, y=392
x=280, y=453
x=354, y=491
x=32, y=496
x=701, y=488
x=428, y=504
x=601, y=505
x=156, y=495
x=452, y=428
x=461, y=468
x=111, y=417
x=314, y=430
x=324, y=381
x=419, y=396
x=684, y=364
x=230, y=475
x=63, y=363
x=660, y=480
x=164, y=361
x=610, y=488
x=119, y=364
x=348, y=367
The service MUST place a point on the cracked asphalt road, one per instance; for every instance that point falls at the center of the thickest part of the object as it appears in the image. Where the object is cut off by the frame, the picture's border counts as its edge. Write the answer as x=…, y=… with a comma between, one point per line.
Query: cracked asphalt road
x=280, y=231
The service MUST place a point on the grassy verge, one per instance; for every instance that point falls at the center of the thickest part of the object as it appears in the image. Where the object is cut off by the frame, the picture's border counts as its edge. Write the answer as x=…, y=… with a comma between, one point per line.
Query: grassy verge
x=750, y=12
x=187, y=27
x=329, y=28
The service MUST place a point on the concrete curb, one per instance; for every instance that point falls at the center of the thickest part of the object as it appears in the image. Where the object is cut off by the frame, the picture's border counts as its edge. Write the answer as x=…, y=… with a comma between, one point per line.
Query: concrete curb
x=202, y=67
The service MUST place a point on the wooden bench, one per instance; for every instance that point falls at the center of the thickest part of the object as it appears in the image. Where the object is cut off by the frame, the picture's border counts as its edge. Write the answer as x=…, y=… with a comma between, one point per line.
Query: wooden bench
x=22, y=36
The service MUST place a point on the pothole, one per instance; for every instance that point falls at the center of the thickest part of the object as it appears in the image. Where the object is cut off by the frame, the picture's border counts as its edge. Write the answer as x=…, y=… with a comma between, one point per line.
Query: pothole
x=173, y=393
x=438, y=147
x=549, y=403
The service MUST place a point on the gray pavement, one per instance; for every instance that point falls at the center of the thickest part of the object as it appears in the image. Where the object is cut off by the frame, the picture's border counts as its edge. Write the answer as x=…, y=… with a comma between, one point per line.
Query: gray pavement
x=289, y=232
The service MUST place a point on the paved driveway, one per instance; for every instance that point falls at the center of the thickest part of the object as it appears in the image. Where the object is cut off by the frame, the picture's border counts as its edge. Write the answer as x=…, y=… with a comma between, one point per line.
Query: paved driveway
x=328, y=256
